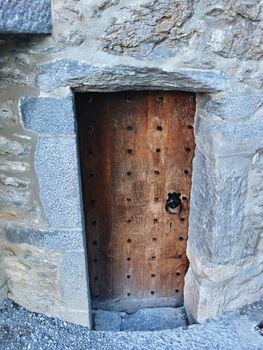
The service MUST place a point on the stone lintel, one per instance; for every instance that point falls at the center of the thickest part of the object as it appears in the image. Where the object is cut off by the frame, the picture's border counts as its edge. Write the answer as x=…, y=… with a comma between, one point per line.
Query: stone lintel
x=86, y=77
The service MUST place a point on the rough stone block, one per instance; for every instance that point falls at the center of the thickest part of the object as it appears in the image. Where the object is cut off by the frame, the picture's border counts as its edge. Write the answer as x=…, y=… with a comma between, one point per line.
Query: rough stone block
x=221, y=42
x=6, y=113
x=75, y=73
x=212, y=299
x=3, y=293
x=253, y=212
x=57, y=170
x=14, y=197
x=33, y=276
x=217, y=208
x=51, y=239
x=154, y=319
x=14, y=167
x=9, y=147
x=235, y=133
x=48, y=115
x=138, y=20
x=74, y=281
x=107, y=321
x=232, y=108
x=3, y=278
x=79, y=317
x=25, y=16
x=13, y=181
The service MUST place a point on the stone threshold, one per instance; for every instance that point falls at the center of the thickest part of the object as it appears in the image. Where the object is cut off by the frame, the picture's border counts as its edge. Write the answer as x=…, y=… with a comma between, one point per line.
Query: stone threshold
x=146, y=319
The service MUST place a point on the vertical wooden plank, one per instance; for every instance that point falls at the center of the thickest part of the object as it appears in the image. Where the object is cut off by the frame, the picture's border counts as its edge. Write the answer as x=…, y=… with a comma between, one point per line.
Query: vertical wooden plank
x=129, y=192
x=94, y=140
x=179, y=153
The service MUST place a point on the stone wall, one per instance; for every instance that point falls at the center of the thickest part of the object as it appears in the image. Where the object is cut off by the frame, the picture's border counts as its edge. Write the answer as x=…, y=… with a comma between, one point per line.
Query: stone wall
x=212, y=48
x=43, y=251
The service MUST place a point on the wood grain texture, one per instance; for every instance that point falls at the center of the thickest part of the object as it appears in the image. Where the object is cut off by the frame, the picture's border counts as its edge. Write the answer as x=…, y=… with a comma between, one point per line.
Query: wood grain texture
x=135, y=148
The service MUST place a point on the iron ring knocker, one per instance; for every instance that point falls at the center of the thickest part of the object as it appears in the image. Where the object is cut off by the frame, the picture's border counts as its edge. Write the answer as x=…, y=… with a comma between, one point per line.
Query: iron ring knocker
x=174, y=204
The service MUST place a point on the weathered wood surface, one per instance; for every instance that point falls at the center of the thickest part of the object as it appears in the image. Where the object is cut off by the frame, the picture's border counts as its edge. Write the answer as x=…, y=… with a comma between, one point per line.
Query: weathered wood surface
x=135, y=148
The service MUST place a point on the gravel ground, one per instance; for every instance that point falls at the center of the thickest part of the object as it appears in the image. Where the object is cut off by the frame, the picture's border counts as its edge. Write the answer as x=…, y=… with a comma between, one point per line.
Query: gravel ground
x=21, y=329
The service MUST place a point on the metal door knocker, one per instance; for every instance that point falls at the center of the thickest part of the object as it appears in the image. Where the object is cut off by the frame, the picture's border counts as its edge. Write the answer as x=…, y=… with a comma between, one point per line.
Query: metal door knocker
x=173, y=203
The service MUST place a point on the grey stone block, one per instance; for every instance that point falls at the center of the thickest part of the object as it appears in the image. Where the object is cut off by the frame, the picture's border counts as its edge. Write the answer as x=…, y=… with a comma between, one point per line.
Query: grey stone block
x=107, y=321
x=25, y=16
x=75, y=73
x=253, y=213
x=154, y=319
x=48, y=115
x=217, y=208
x=232, y=107
x=57, y=170
x=224, y=289
x=79, y=317
x=57, y=239
x=74, y=281
x=229, y=137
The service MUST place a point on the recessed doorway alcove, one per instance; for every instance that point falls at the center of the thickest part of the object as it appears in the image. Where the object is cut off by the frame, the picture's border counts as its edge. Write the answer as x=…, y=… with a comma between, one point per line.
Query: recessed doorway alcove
x=156, y=84
x=136, y=150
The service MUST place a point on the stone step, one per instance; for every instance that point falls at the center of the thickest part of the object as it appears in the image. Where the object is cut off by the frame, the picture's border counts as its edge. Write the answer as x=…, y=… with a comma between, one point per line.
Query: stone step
x=147, y=319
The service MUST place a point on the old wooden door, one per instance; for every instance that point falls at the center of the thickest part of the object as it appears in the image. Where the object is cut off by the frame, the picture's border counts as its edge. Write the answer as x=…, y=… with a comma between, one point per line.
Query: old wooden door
x=135, y=148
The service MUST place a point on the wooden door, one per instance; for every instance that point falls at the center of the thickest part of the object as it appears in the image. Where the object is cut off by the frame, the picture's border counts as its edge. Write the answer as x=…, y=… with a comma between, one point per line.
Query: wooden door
x=135, y=148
